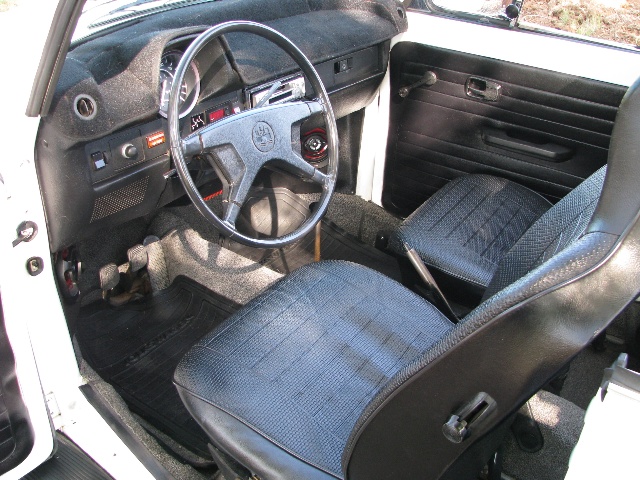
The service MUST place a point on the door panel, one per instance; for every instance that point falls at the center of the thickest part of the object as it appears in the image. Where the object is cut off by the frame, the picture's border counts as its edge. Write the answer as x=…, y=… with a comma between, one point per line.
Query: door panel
x=546, y=130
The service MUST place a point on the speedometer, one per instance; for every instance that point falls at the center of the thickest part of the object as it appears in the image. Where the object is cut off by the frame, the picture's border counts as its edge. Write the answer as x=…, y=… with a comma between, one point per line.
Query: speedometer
x=189, y=90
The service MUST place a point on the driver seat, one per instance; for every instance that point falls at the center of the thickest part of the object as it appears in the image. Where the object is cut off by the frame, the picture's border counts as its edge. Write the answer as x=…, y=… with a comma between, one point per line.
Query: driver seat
x=339, y=372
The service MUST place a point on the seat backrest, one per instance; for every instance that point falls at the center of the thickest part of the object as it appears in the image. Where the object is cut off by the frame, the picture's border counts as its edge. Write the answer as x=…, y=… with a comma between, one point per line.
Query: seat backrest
x=515, y=341
x=556, y=229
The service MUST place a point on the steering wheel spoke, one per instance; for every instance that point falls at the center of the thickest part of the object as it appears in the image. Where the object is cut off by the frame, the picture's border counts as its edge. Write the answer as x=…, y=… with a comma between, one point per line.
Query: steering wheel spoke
x=238, y=192
x=192, y=145
x=296, y=164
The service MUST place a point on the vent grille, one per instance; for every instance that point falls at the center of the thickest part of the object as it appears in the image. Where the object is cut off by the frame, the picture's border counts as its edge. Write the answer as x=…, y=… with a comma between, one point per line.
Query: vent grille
x=119, y=200
x=85, y=107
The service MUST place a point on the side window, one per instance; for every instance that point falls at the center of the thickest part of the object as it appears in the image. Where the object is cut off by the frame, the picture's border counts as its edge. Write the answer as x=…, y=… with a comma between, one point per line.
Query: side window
x=600, y=20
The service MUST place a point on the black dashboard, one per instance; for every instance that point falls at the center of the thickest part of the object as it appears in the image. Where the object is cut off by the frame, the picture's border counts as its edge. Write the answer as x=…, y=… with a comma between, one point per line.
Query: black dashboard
x=102, y=153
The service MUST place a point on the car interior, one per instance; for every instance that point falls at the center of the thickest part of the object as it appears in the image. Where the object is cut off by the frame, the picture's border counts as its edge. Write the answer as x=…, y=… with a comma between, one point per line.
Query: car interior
x=247, y=315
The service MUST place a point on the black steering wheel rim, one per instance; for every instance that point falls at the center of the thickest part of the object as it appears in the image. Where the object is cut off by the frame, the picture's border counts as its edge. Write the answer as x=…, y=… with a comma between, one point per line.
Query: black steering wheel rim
x=179, y=147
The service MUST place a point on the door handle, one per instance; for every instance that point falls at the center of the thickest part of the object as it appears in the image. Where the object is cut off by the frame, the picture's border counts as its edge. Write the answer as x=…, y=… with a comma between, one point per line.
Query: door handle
x=481, y=88
x=545, y=149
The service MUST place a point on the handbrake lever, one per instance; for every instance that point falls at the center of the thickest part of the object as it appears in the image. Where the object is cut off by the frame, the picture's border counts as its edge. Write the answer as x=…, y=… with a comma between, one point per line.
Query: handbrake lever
x=437, y=297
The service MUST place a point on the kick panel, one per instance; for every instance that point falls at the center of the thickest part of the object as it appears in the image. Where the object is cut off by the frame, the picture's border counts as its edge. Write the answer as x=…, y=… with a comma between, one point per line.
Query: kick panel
x=545, y=130
x=16, y=430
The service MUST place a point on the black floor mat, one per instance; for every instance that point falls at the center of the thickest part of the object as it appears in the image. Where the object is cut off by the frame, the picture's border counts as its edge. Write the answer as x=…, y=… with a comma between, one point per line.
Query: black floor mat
x=336, y=244
x=68, y=462
x=137, y=347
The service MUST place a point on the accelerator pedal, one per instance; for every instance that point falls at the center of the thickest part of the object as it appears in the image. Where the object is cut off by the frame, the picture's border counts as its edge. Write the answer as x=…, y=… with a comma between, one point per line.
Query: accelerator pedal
x=156, y=264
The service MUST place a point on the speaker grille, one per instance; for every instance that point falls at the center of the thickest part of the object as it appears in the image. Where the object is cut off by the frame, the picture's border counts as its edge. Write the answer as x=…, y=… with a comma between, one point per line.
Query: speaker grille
x=119, y=200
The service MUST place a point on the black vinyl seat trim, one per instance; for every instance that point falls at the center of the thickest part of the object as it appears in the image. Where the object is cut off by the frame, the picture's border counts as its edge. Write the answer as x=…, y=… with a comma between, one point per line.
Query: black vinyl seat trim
x=266, y=456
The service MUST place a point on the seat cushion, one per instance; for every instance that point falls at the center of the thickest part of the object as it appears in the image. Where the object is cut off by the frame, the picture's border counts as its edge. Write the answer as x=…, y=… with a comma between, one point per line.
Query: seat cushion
x=299, y=363
x=466, y=227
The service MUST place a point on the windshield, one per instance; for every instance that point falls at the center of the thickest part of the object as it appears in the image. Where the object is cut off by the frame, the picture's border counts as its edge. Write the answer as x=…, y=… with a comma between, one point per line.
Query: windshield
x=100, y=14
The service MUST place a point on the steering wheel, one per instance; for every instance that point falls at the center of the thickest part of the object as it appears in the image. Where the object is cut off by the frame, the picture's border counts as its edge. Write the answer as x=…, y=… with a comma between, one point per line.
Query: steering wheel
x=238, y=146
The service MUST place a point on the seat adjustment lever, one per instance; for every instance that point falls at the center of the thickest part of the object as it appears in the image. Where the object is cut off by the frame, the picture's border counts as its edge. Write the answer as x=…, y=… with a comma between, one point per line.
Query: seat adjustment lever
x=460, y=424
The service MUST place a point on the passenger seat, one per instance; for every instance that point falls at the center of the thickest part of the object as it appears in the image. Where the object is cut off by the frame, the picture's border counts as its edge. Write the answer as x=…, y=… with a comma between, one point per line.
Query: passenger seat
x=469, y=226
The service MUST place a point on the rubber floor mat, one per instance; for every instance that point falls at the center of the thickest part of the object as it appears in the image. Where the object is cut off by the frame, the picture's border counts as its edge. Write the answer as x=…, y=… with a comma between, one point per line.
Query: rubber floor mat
x=335, y=244
x=68, y=462
x=136, y=348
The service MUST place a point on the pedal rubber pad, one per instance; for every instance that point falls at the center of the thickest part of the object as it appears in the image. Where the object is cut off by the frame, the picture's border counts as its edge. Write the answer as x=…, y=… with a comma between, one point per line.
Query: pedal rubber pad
x=137, y=256
x=109, y=276
x=156, y=265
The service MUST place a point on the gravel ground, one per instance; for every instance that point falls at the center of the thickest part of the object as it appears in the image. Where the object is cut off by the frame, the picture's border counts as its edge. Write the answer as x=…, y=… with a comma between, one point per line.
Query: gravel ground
x=615, y=20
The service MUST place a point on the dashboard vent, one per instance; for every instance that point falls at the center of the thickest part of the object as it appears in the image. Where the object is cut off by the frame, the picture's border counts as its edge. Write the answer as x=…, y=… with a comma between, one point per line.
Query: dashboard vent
x=85, y=107
x=290, y=89
x=119, y=200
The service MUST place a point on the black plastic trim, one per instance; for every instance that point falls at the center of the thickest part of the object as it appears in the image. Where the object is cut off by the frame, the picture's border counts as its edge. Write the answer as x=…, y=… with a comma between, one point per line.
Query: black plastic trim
x=68, y=462
x=124, y=433
x=13, y=412
x=473, y=17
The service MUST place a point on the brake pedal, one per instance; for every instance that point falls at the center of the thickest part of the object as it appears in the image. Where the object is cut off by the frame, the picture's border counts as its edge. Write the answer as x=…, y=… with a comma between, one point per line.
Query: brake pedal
x=137, y=256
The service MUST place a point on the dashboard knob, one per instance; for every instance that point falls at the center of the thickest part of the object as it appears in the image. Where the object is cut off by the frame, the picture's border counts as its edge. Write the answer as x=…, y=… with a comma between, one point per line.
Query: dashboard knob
x=129, y=151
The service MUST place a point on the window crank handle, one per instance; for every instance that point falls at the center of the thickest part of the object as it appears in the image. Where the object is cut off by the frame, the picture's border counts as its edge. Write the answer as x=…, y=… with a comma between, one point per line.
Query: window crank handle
x=428, y=79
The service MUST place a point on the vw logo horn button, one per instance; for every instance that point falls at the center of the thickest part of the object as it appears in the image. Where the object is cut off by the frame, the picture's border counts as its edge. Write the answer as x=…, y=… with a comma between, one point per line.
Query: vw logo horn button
x=263, y=137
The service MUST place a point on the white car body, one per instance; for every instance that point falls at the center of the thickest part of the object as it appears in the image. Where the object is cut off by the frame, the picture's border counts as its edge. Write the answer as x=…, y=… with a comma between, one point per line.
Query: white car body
x=46, y=365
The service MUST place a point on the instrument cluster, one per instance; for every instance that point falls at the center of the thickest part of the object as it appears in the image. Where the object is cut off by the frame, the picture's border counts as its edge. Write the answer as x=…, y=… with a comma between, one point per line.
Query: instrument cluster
x=189, y=90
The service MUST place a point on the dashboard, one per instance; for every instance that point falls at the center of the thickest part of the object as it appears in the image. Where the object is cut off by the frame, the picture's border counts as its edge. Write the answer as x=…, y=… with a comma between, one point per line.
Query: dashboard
x=102, y=154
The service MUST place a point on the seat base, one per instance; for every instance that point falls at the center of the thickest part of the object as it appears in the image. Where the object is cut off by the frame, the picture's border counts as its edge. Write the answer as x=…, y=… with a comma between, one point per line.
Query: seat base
x=466, y=228
x=317, y=346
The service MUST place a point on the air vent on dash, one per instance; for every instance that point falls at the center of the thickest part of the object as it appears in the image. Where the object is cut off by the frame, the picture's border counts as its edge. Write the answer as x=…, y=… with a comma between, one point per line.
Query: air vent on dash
x=290, y=89
x=85, y=107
